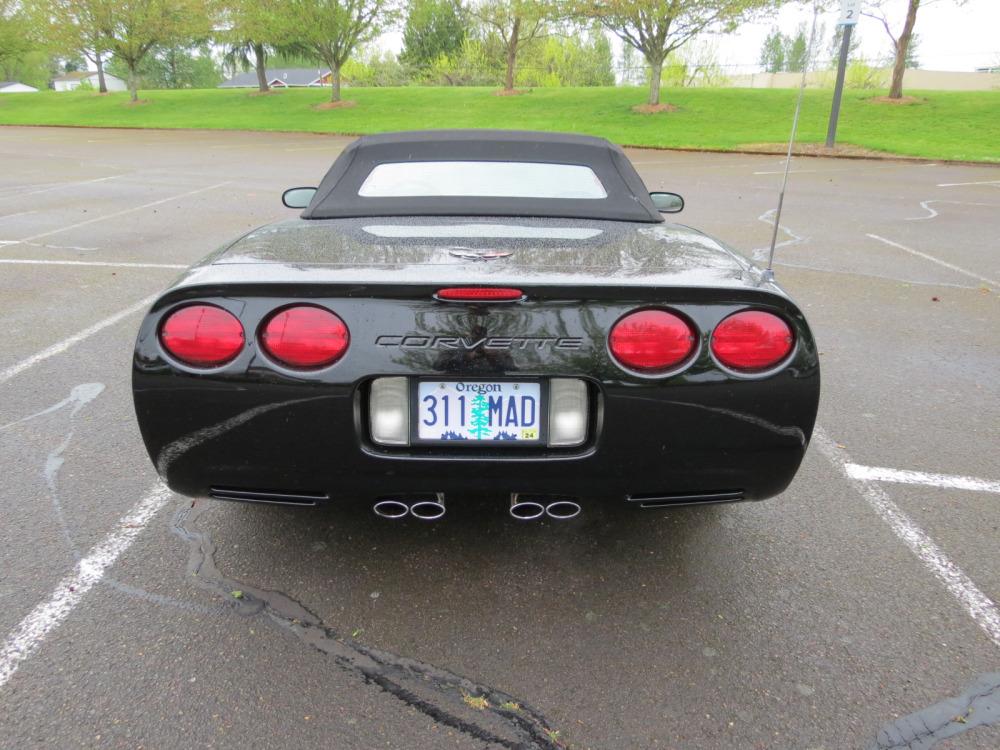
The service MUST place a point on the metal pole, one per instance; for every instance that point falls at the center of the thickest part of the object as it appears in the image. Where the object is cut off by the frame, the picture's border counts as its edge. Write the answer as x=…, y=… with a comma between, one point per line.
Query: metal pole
x=838, y=90
x=769, y=271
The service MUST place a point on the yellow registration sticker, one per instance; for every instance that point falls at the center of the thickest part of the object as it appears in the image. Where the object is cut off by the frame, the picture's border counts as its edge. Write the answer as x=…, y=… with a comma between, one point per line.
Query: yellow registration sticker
x=529, y=434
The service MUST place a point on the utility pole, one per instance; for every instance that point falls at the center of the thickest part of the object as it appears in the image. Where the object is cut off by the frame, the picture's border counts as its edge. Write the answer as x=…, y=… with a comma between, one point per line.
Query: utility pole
x=849, y=12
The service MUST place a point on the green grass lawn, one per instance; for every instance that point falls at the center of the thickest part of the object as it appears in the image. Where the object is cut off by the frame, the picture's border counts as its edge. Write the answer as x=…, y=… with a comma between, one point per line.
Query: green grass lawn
x=942, y=125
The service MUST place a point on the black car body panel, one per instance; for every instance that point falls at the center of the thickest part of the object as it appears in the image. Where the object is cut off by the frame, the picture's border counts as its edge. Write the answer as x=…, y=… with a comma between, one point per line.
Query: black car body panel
x=255, y=426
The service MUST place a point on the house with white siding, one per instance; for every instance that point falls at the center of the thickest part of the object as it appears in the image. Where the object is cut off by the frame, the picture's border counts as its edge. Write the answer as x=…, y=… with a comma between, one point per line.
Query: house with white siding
x=87, y=79
x=16, y=87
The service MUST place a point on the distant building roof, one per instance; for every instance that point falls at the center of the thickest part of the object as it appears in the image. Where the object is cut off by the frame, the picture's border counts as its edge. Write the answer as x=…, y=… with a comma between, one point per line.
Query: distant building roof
x=8, y=84
x=75, y=75
x=277, y=77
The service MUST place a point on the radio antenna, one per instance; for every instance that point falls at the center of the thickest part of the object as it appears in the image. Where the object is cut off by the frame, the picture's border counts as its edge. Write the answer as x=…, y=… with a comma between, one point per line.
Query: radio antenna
x=769, y=271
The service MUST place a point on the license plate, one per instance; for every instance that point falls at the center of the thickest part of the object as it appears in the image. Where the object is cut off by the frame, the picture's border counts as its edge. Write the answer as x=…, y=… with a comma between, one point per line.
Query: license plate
x=476, y=411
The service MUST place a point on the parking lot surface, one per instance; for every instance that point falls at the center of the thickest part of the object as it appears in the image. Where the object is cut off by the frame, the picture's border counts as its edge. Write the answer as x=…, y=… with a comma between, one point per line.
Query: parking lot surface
x=838, y=615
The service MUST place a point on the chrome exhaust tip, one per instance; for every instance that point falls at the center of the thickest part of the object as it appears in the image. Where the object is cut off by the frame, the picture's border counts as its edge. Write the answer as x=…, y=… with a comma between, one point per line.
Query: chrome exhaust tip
x=525, y=509
x=562, y=510
x=391, y=509
x=429, y=510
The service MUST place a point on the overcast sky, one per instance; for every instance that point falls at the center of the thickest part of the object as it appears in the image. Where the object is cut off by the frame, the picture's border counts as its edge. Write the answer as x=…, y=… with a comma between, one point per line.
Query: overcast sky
x=951, y=37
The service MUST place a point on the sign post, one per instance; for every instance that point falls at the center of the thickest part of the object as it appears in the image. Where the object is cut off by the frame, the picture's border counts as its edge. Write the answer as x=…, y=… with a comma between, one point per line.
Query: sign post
x=849, y=12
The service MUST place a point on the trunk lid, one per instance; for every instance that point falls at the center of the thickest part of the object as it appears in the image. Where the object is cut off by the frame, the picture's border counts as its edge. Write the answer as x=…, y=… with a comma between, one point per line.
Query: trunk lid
x=487, y=250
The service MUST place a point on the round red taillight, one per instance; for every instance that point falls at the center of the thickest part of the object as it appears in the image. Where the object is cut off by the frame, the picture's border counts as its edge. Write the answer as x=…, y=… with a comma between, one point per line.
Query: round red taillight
x=305, y=337
x=752, y=341
x=652, y=341
x=202, y=335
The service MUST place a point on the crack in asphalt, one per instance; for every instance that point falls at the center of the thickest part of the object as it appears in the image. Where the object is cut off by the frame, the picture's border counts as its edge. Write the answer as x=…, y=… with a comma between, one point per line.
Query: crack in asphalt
x=402, y=677
x=79, y=397
x=761, y=253
x=978, y=705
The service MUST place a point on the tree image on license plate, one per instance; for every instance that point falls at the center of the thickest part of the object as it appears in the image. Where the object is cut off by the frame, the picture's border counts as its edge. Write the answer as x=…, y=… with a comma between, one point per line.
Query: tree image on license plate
x=479, y=411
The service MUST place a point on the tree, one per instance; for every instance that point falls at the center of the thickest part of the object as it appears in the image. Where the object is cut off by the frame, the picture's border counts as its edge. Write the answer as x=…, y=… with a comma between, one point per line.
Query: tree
x=15, y=33
x=253, y=29
x=178, y=66
x=333, y=29
x=75, y=27
x=797, y=51
x=658, y=27
x=131, y=28
x=901, y=42
x=371, y=66
x=479, y=418
x=433, y=28
x=912, y=61
x=772, y=52
x=583, y=59
x=517, y=23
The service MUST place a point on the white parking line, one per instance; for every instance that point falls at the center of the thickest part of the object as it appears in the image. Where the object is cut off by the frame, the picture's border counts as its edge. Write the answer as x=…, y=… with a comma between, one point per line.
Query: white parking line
x=979, y=606
x=947, y=481
x=116, y=214
x=63, y=185
x=842, y=272
x=958, y=184
x=798, y=171
x=110, y=264
x=19, y=213
x=25, y=639
x=932, y=213
x=932, y=259
x=76, y=338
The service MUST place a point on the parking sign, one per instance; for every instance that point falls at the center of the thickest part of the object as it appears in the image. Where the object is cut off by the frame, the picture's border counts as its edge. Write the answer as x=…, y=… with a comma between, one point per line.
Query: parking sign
x=849, y=12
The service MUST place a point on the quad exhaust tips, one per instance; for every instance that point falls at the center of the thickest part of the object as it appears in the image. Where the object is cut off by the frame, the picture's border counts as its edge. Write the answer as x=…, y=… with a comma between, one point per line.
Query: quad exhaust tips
x=532, y=507
x=429, y=507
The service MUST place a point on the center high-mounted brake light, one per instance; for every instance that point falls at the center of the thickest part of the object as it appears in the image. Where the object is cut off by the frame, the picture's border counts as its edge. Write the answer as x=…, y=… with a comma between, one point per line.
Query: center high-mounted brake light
x=479, y=294
x=202, y=335
x=652, y=341
x=305, y=337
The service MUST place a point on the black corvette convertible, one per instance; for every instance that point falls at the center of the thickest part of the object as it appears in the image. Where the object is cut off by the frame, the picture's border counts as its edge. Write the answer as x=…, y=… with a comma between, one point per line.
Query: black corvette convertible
x=462, y=313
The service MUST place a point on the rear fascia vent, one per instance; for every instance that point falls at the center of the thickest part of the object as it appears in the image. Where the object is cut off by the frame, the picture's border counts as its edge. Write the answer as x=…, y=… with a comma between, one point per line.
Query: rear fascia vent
x=269, y=497
x=668, y=500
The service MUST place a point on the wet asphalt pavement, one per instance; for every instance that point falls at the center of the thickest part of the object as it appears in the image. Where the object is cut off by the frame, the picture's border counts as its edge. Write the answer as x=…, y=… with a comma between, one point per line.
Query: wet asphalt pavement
x=838, y=615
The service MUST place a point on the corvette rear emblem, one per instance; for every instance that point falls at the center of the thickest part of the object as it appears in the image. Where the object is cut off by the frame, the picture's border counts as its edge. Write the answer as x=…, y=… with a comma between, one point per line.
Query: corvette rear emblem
x=479, y=254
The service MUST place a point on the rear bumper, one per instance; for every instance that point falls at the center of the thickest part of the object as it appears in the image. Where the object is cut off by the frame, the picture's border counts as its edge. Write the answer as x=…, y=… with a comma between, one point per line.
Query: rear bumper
x=649, y=440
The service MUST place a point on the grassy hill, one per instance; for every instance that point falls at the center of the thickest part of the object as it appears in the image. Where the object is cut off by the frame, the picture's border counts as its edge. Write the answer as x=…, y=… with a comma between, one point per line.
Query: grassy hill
x=940, y=125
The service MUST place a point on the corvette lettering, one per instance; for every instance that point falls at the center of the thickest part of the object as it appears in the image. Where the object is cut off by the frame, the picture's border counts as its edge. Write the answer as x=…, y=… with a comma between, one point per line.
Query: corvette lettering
x=505, y=343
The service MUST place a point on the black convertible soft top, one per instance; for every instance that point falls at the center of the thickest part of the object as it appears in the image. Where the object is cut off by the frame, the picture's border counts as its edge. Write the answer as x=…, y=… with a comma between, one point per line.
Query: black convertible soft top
x=627, y=197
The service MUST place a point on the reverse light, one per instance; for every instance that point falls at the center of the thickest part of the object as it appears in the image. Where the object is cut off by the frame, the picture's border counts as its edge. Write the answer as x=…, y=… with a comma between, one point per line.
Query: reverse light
x=567, y=412
x=652, y=341
x=479, y=294
x=752, y=341
x=389, y=411
x=305, y=337
x=202, y=335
